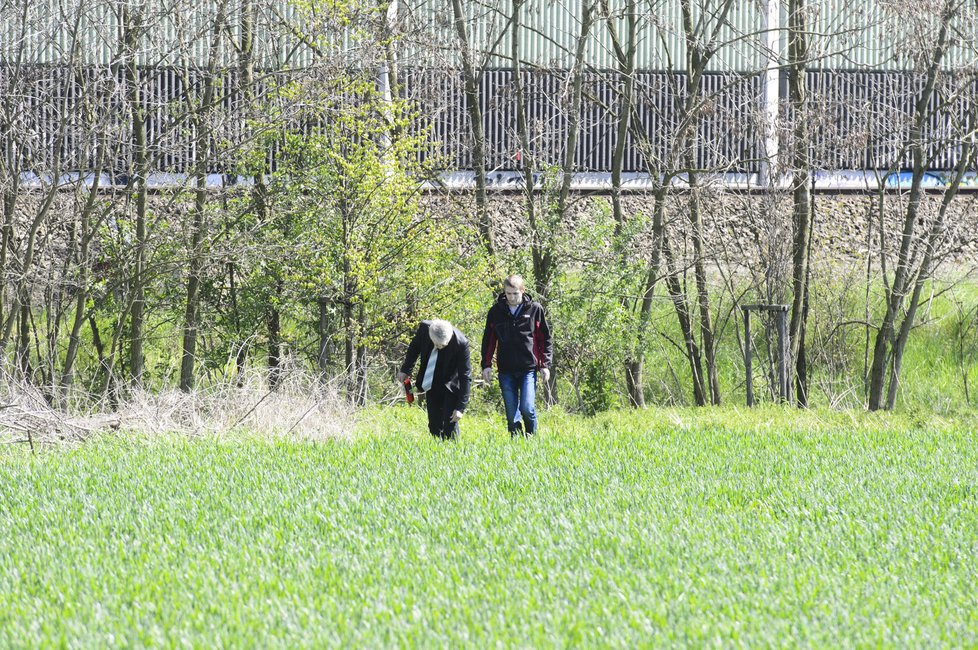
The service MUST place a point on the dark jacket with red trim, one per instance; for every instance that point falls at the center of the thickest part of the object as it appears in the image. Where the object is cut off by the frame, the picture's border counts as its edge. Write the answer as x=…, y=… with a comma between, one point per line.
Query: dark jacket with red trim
x=521, y=341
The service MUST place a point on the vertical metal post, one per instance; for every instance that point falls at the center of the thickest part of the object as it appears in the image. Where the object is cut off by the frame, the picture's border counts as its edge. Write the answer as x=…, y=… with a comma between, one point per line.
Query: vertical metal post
x=782, y=356
x=770, y=42
x=748, y=358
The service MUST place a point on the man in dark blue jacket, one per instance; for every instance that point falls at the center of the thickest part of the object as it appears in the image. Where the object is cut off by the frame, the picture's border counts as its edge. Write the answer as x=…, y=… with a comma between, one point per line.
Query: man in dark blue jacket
x=517, y=332
x=445, y=376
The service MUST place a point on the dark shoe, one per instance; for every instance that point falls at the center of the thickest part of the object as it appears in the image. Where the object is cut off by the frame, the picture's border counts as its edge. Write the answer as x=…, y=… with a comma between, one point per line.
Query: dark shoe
x=516, y=430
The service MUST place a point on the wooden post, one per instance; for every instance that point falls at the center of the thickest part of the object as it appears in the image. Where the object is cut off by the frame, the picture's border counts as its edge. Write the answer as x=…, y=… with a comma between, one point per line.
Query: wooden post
x=748, y=359
x=782, y=355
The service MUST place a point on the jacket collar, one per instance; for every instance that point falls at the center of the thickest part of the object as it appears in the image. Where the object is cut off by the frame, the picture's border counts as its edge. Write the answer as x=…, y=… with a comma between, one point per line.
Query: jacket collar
x=501, y=300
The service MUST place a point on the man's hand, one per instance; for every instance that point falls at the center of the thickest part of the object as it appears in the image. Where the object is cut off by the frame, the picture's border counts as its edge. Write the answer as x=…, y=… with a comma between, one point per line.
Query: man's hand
x=546, y=374
x=456, y=416
x=486, y=374
x=402, y=377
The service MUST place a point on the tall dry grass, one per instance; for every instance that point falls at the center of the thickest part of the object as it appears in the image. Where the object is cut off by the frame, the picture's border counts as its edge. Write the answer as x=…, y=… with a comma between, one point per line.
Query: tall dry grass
x=302, y=407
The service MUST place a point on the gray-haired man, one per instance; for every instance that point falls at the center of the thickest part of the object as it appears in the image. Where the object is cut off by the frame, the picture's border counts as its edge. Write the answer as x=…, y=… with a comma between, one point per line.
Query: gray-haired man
x=445, y=376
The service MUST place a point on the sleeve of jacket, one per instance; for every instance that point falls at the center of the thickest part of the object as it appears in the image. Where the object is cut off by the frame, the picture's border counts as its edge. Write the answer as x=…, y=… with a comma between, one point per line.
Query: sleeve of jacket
x=412, y=354
x=488, y=342
x=546, y=341
x=464, y=375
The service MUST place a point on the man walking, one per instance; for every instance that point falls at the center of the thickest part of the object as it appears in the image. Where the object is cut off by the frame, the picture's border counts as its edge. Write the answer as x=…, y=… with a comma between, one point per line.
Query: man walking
x=446, y=374
x=517, y=332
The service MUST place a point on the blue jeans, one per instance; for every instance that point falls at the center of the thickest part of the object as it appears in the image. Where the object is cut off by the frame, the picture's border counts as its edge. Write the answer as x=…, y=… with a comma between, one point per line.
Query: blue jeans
x=519, y=394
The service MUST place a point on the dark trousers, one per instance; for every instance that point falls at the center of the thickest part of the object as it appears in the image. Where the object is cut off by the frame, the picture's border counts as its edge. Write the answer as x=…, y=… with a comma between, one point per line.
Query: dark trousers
x=440, y=405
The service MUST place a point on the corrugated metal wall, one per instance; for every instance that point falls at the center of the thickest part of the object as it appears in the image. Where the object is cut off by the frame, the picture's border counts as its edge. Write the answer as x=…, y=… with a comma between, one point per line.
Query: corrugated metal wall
x=172, y=33
x=861, y=120
x=862, y=116
x=549, y=33
x=883, y=35
x=846, y=34
x=727, y=138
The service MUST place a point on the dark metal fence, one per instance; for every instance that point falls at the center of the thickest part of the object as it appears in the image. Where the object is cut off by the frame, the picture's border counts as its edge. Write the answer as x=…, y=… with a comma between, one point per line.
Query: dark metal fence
x=55, y=117
x=726, y=138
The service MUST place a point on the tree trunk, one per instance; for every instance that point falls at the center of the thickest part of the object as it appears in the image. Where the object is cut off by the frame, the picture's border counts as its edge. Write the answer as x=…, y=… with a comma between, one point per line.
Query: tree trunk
x=633, y=381
x=473, y=104
x=190, y=320
x=24, y=368
x=275, y=338
x=625, y=57
x=700, y=48
x=81, y=255
x=131, y=27
x=322, y=359
x=652, y=274
x=886, y=340
x=23, y=293
x=527, y=159
x=926, y=266
x=81, y=294
x=680, y=302
x=360, y=376
x=6, y=244
x=801, y=199
x=259, y=201
x=702, y=289
x=350, y=347
x=544, y=262
x=241, y=349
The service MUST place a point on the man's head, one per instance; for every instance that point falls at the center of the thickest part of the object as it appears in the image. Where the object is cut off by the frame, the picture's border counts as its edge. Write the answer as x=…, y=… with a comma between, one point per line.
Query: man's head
x=514, y=287
x=440, y=332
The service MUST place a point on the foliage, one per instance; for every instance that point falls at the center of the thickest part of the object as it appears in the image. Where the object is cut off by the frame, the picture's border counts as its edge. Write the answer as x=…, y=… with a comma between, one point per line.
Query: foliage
x=350, y=229
x=592, y=325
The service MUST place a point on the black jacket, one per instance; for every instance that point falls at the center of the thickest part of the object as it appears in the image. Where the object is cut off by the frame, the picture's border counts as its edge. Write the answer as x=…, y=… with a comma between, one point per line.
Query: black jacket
x=453, y=369
x=523, y=340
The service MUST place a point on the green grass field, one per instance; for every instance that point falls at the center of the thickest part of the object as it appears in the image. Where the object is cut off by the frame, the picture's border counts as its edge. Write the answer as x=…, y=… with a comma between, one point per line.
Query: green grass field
x=670, y=527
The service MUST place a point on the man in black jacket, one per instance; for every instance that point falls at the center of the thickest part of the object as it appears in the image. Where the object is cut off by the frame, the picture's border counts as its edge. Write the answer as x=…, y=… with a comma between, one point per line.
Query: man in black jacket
x=517, y=332
x=445, y=376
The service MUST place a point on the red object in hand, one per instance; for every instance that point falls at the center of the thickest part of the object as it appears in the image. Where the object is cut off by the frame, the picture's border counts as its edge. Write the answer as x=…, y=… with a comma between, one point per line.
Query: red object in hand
x=408, y=393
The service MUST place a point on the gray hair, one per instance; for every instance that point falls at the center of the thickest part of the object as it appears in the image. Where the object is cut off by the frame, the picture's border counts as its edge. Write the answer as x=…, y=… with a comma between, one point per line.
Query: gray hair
x=440, y=331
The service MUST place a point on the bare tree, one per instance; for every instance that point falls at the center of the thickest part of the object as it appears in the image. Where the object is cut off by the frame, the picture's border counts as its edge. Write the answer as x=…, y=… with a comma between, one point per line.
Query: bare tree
x=472, y=72
x=917, y=251
x=200, y=119
x=39, y=130
x=97, y=122
x=134, y=22
x=801, y=200
x=701, y=36
x=625, y=47
x=543, y=224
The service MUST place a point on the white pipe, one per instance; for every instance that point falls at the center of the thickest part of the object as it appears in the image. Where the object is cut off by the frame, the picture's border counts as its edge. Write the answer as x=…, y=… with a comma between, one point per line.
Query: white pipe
x=770, y=91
